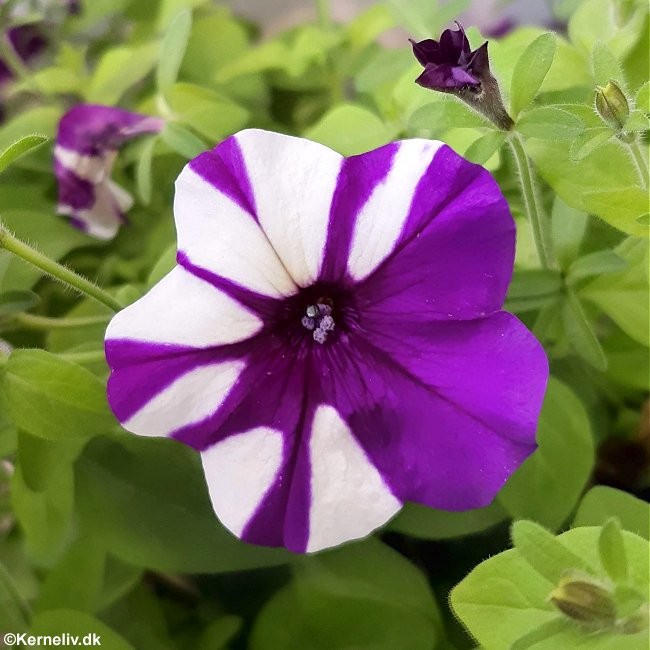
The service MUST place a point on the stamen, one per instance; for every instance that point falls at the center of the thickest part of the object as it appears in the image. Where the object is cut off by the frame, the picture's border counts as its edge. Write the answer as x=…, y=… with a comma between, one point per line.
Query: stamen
x=318, y=320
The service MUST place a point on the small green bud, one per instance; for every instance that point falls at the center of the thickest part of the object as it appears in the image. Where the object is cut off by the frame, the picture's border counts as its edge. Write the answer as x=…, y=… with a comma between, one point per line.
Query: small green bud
x=584, y=601
x=611, y=105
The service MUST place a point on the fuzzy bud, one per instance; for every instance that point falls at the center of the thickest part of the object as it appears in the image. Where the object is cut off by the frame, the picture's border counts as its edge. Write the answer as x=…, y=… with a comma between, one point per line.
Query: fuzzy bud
x=584, y=601
x=612, y=105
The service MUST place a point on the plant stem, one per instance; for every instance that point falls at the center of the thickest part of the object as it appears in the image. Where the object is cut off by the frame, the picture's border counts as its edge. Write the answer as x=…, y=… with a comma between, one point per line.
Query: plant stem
x=10, y=586
x=13, y=61
x=56, y=270
x=532, y=204
x=640, y=162
x=34, y=322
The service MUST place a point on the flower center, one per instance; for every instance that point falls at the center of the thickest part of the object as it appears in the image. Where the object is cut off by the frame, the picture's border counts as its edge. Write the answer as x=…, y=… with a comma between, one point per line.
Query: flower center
x=318, y=320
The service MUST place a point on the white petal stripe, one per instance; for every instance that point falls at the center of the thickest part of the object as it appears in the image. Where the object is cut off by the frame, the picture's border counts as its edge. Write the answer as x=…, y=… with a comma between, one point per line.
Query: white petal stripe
x=219, y=236
x=191, y=398
x=293, y=182
x=239, y=471
x=382, y=218
x=349, y=496
x=184, y=310
x=89, y=168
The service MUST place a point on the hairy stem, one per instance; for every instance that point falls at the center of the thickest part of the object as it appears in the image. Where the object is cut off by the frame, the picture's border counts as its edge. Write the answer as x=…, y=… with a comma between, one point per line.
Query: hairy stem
x=34, y=322
x=640, y=162
x=56, y=270
x=532, y=205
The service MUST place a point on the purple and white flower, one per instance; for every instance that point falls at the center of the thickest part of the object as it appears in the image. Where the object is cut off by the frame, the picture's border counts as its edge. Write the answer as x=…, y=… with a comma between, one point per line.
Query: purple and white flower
x=87, y=143
x=332, y=339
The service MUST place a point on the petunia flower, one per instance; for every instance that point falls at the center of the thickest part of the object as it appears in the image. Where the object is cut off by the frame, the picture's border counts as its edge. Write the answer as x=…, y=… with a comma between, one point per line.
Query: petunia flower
x=87, y=143
x=451, y=66
x=27, y=42
x=331, y=340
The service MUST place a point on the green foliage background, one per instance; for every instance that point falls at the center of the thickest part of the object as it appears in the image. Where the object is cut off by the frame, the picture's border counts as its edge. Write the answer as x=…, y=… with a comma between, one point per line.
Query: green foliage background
x=103, y=532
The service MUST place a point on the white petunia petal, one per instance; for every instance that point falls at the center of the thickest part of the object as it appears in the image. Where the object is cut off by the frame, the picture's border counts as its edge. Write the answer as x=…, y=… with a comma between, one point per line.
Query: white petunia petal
x=191, y=398
x=349, y=498
x=184, y=310
x=382, y=218
x=293, y=182
x=239, y=471
x=217, y=234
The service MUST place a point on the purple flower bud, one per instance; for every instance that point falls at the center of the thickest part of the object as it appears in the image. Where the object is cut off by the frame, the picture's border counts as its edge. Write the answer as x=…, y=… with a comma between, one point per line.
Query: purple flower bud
x=451, y=66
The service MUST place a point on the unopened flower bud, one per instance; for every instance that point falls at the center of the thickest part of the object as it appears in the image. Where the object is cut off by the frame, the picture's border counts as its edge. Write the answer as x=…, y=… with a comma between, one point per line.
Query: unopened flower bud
x=611, y=105
x=584, y=601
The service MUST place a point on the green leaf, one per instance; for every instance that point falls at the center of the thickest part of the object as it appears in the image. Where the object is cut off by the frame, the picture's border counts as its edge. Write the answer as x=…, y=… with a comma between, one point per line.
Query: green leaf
x=604, y=64
x=505, y=588
x=20, y=148
x=580, y=332
x=612, y=551
x=172, y=50
x=548, y=485
x=206, y=112
x=338, y=599
x=442, y=115
x=42, y=494
x=593, y=183
x=589, y=141
x=85, y=627
x=350, y=130
x=118, y=70
x=549, y=123
x=642, y=101
x=364, y=29
x=637, y=122
x=533, y=288
x=485, y=147
x=602, y=502
x=76, y=581
x=623, y=295
x=544, y=552
x=600, y=262
x=427, y=523
x=568, y=227
x=147, y=500
x=594, y=21
x=53, y=398
x=530, y=71
x=182, y=140
x=17, y=301
x=144, y=170
x=217, y=635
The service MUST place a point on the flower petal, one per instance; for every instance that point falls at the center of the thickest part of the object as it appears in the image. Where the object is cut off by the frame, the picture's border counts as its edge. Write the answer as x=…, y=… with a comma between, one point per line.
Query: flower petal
x=382, y=218
x=452, y=257
x=184, y=310
x=217, y=230
x=293, y=182
x=349, y=497
x=240, y=471
x=321, y=492
x=191, y=398
x=446, y=413
x=91, y=129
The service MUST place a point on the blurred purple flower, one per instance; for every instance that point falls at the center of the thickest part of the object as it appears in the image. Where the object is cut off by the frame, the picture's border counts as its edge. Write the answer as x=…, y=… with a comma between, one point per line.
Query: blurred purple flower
x=332, y=340
x=27, y=41
x=87, y=143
